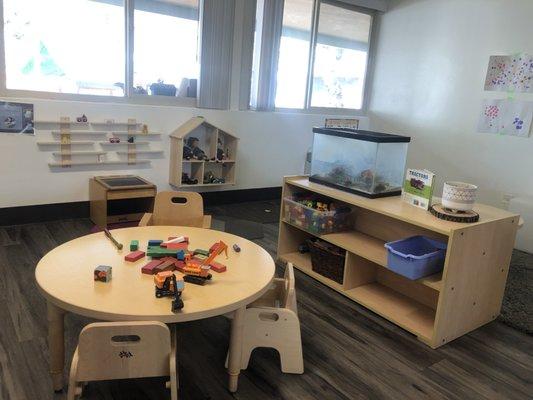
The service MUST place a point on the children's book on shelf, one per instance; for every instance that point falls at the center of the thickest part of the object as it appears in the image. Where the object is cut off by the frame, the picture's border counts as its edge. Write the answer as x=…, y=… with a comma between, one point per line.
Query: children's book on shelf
x=418, y=187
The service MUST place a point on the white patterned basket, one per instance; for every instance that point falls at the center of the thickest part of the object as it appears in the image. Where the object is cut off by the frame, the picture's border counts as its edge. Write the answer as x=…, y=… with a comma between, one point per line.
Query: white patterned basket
x=459, y=196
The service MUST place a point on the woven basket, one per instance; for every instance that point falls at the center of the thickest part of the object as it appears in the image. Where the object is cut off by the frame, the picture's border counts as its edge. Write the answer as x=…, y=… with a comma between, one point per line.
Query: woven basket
x=327, y=259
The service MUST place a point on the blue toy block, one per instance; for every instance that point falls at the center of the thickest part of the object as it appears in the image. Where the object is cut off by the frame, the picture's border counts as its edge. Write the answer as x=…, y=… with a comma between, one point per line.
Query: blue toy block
x=154, y=242
x=180, y=255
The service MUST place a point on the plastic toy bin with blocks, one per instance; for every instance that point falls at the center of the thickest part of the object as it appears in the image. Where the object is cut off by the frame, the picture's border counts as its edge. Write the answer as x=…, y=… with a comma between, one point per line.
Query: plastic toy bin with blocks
x=416, y=257
x=314, y=220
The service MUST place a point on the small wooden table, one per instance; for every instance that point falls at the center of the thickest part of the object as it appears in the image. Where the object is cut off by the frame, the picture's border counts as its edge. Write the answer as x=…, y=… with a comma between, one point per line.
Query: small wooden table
x=120, y=198
x=65, y=278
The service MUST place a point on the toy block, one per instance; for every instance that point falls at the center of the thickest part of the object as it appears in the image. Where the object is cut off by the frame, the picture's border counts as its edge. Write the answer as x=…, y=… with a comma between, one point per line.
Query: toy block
x=177, y=246
x=180, y=265
x=217, y=267
x=154, y=242
x=134, y=245
x=175, y=240
x=134, y=256
x=102, y=273
x=202, y=252
x=180, y=255
x=149, y=268
x=159, y=252
x=236, y=248
x=213, y=247
x=165, y=266
x=200, y=257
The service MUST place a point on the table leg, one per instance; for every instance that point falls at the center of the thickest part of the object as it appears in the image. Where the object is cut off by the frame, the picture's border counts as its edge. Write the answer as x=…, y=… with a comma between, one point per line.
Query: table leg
x=235, y=348
x=56, y=344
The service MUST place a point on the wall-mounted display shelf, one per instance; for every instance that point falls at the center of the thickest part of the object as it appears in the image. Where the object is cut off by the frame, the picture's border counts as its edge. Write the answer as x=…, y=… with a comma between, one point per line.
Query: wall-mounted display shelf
x=110, y=162
x=82, y=132
x=67, y=157
x=438, y=308
x=141, y=152
x=136, y=133
x=216, y=144
x=81, y=153
x=58, y=143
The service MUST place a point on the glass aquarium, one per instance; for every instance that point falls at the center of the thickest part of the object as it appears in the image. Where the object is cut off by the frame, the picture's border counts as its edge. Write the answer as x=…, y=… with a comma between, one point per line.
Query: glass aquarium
x=368, y=163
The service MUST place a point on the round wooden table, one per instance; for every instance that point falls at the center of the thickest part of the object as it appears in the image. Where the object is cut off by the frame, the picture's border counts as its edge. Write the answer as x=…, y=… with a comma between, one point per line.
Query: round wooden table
x=65, y=278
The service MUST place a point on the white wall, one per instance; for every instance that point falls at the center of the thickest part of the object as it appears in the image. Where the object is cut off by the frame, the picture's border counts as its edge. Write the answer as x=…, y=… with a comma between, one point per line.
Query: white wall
x=431, y=61
x=272, y=145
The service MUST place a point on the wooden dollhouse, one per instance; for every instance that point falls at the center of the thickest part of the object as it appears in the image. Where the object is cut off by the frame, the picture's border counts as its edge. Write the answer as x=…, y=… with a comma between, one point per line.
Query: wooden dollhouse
x=217, y=168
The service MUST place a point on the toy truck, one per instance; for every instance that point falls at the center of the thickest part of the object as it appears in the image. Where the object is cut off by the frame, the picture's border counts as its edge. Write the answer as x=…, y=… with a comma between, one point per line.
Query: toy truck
x=198, y=272
x=167, y=285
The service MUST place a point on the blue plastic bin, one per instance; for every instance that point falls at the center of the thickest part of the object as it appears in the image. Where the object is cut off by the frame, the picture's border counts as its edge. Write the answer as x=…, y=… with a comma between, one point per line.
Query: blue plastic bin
x=416, y=257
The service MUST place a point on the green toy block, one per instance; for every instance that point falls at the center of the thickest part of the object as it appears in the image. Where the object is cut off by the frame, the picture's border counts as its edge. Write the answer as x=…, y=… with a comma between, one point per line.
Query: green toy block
x=134, y=245
x=201, y=252
x=158, y=252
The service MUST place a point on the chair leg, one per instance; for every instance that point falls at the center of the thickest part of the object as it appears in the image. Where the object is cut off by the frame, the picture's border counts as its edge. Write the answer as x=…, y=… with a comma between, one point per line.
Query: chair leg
x=290, y=354
x=72, y=384
x=174, y=382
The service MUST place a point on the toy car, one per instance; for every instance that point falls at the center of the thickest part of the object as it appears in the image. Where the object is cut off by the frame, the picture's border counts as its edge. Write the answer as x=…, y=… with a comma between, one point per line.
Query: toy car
x=114, y=140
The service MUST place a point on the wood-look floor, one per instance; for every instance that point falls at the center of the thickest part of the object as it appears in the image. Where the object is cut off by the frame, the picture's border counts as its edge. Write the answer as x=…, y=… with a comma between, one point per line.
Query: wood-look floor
x=349, y=352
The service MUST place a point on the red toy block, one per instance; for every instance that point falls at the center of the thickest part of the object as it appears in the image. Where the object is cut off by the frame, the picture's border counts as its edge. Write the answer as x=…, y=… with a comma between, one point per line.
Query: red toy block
x=134, y=256
x=213, y=248
x=180, y=265
x=149, y=268
x=217, y=267
x=165, y=266
x=178, y=246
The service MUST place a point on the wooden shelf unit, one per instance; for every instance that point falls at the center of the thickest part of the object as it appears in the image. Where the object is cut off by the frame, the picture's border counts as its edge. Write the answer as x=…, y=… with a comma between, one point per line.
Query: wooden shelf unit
x=437, y=308
x=208, y=136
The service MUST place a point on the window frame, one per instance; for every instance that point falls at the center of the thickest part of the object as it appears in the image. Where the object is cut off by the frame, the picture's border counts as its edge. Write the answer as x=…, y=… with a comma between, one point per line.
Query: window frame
x=312, y=44
x=128, y=98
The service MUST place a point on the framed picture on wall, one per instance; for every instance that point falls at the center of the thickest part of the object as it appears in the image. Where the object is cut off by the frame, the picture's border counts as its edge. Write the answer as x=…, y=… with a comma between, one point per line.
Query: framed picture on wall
x=16, y=118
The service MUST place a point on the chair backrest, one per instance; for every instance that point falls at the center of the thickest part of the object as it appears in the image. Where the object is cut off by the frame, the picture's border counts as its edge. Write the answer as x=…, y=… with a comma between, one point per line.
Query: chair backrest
x=121, y=350
x=178, y=208
x=289, y=295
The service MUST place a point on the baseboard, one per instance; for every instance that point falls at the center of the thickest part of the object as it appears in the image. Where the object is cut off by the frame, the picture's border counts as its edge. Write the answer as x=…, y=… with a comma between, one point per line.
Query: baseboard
x=80, y=209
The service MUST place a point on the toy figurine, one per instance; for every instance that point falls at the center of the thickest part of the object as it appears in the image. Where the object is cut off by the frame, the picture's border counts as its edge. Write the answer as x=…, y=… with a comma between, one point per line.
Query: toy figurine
x=187, y=152
x=131, y=139
x=236, y=248
x=197, y=152
x=102, y=273
x=188, y=181
x=83, y=118
x=145, y=129
x=220, y=152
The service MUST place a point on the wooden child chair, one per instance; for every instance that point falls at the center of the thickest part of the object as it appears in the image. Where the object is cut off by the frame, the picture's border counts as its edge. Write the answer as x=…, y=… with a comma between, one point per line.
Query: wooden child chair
x=272, y=321
x=177, y=208
x=122, y=350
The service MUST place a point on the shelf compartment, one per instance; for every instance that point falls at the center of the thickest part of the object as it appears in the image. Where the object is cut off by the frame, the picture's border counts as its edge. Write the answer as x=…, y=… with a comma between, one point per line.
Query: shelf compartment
x=209, y=184
x=371, y=249
x=402, y=310
x=303, y=263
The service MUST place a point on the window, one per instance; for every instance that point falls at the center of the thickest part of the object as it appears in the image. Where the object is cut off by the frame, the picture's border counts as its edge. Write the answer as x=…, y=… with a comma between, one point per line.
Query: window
x=166, y=46
x=341, y=52
x=64, y=46
x=322, y=55
x=80, y=46
x=291, y=80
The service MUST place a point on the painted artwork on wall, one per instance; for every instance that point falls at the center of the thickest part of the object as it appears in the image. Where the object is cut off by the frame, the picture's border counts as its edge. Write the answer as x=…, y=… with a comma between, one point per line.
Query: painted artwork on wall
x=510, y=73
x=16, y=118
x=506, y=117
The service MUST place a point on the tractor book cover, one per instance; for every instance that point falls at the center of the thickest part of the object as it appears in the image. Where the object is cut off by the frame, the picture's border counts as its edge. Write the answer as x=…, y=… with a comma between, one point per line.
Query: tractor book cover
x=418, y=187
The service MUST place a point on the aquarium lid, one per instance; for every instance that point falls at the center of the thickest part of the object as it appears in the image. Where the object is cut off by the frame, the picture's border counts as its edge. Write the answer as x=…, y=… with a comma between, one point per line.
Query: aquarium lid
x=369, y=136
